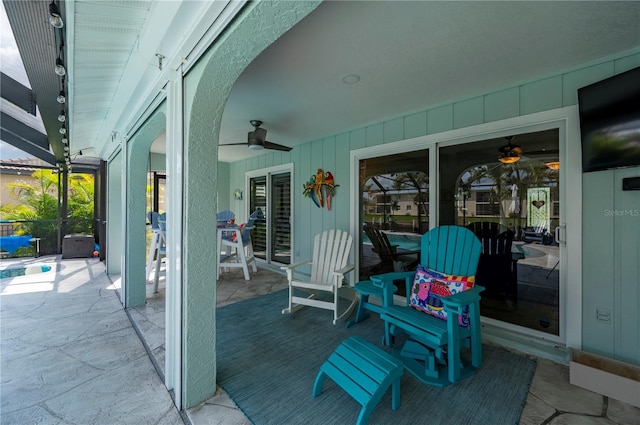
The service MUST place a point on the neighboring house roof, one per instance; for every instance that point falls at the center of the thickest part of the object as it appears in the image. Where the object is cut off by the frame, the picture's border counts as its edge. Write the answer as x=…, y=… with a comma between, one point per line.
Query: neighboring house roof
x=9, y=166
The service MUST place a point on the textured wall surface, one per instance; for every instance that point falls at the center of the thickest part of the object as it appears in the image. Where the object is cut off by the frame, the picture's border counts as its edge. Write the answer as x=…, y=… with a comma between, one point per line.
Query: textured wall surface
x=256, y=27
x=135, y=245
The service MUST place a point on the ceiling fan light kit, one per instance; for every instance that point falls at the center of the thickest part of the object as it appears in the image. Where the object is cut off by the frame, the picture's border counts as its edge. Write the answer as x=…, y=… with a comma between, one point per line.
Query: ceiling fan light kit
x=509, y=159
x=553, y=165
x=509, y=153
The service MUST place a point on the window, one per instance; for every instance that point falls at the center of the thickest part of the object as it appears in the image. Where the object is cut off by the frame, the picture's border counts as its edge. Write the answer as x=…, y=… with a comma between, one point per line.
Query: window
x=486, y=205
x=270, y=190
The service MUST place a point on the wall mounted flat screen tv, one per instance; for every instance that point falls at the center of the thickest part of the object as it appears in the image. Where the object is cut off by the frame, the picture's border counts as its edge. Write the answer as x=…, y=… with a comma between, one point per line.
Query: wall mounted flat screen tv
x=610, y=122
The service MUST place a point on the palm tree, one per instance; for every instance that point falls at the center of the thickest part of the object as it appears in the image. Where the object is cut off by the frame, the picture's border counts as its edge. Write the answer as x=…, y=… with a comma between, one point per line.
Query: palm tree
x=37, y=205
x=418, y=181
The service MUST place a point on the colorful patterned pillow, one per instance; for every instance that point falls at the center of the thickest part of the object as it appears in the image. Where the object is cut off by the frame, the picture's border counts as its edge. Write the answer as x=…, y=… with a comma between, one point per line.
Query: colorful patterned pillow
x=429, y=286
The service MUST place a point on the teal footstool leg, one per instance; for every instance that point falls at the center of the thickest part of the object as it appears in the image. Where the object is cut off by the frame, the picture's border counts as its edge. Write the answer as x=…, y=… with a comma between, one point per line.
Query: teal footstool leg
x=319, y=383
x=363, y=417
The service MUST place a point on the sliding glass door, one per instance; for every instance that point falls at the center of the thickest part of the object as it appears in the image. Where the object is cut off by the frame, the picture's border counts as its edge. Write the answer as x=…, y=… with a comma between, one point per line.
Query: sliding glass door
x=270, y=191
x=403, y=191
x=280, y=240
x=394, y=206
x=518, y=200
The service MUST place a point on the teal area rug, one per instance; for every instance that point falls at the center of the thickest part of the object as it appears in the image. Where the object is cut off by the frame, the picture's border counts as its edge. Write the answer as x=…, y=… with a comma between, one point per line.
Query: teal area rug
x=267, y=363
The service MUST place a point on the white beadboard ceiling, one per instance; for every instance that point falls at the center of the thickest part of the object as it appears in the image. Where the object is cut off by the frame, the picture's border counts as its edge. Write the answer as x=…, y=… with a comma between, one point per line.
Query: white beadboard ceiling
x=409, y=55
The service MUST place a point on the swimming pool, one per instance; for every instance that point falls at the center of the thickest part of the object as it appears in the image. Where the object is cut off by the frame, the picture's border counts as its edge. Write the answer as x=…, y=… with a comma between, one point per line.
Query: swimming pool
x=531, y=252
x=23, y=271
x=408, y=241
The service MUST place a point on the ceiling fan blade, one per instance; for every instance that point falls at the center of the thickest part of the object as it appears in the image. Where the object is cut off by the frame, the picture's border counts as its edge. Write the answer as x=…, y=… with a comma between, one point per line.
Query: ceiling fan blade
x=275, y=146
x=235, y=144
x=543, y=152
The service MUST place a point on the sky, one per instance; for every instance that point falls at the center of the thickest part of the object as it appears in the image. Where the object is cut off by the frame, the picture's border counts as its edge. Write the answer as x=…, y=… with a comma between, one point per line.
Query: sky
x=10, y=61
x=11, y=65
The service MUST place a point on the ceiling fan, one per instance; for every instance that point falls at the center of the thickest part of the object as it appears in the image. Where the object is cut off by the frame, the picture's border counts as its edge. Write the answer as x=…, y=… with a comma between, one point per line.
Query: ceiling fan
x=509, y=153
x=256, y=139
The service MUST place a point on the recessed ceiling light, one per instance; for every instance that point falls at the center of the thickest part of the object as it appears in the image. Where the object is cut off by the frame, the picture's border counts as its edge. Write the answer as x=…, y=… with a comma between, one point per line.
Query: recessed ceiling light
x=351, y=79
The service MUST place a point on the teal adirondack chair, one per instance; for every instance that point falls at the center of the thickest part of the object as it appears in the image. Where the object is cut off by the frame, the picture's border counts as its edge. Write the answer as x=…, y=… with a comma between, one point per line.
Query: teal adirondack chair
x=433, y=351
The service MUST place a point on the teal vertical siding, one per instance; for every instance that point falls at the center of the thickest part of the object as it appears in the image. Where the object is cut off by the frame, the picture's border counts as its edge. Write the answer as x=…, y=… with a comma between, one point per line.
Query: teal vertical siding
x=225, y=188
x=572, y=81
x=342, y=204
x=440, y=119
x=542, y=95
x=357, y=139
x=610, y=266
x=598, y=335
x=468, y=112
x=393, y=130
x=332, y=153
x=626, y=269
x=626, y=63
x=502, y=105
x=415, y=125
x=374, y=135
x=329, y=159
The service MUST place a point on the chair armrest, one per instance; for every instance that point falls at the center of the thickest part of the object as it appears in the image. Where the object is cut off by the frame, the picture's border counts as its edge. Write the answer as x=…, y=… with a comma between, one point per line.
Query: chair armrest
x=381, y=279
x=291, y=268
x=339, y=274
x=346, y=269
x=458, y=301
x=295, y=265
x=403, y=251
x=385, y=281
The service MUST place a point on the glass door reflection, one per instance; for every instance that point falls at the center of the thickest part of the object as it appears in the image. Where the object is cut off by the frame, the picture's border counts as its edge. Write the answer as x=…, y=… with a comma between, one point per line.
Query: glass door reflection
x=515, y=204
x=394, y=211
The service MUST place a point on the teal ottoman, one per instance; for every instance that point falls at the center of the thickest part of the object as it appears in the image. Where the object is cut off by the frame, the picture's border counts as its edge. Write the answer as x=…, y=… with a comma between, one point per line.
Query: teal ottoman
x=365, y=372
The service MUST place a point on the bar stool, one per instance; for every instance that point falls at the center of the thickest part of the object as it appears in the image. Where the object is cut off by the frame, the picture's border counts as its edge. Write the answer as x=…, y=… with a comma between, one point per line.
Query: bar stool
x=157, y=250
x=236, y=242
x=237, y=245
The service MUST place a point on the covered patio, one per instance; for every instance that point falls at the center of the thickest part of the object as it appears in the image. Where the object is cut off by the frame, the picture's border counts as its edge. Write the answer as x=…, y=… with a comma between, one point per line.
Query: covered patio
x=177, y=104
x=550, y=393
x=71, y=317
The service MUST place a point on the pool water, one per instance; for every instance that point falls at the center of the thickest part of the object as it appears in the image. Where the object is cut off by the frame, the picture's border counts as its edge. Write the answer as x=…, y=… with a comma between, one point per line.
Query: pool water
x=22, y=271
x=530, y=252
x=402, y=240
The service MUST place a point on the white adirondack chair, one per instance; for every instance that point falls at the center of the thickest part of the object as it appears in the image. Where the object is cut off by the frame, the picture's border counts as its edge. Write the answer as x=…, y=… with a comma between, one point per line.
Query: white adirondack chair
x=329, y=266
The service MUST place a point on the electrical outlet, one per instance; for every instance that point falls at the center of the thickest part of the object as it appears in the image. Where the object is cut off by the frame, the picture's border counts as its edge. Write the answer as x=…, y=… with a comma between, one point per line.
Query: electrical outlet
x=603, y=315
